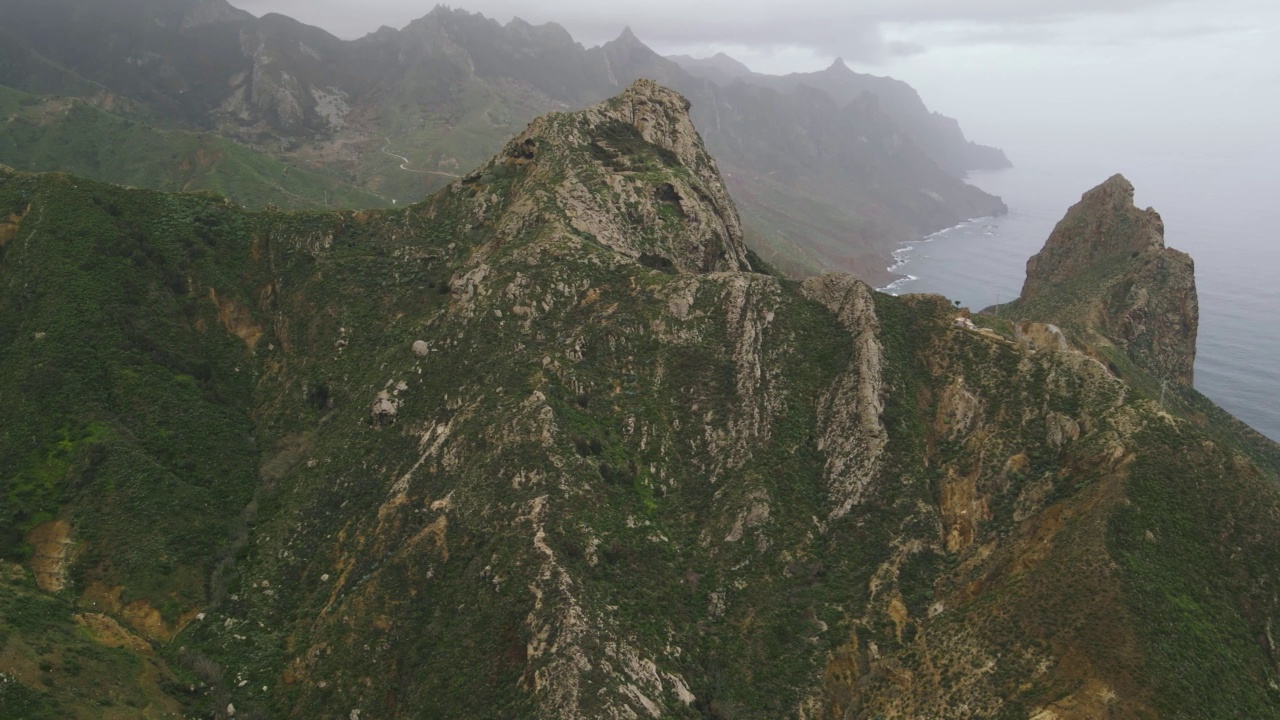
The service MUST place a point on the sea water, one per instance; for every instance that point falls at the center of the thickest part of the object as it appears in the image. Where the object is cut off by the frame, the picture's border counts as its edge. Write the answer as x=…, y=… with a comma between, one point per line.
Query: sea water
x=1224, y=210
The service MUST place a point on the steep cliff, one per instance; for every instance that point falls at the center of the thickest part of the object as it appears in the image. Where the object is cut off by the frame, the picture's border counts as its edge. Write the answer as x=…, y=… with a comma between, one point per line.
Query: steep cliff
x=939, y=136
x=553, y=444
x=1105, y=271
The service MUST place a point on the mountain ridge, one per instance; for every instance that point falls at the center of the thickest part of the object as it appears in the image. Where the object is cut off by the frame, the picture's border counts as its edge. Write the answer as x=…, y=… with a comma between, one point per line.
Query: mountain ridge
x=940, y=136
x=552, y=444
x=449, y=88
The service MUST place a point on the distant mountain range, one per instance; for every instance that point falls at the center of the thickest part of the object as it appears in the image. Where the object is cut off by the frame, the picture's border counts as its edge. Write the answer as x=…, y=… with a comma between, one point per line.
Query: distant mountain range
x=939, y=136
x=830, y=169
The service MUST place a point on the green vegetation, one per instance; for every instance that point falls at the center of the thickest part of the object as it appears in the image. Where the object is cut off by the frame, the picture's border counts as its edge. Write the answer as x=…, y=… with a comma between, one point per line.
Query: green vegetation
x=825, y=180
x=70, y=135
x=58, y=668
x=125, y=396
x=503, y=454
x=1200, y=583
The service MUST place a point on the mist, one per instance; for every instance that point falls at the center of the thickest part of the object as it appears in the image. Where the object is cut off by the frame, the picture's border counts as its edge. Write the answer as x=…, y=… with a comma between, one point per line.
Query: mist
x=1016, y=74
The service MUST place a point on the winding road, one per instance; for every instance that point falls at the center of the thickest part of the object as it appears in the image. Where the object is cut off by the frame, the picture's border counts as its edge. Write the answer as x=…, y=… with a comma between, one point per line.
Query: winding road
x=404, y=163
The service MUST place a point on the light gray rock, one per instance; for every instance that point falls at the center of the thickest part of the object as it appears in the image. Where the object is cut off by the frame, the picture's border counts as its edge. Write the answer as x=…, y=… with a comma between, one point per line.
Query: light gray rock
x=384, y=408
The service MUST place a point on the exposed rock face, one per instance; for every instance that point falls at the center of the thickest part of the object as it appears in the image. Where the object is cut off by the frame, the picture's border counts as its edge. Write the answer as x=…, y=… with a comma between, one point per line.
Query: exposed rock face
x=1104, y=228
x=383, y=409
x=662, y=118
x=51, y=545
x=853, y=434
x=597, y=165
x=1106, y=269
x=631, y=478
x=1153, y=311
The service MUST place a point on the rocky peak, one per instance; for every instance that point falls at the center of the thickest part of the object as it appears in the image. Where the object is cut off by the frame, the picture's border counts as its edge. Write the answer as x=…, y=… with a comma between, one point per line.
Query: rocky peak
x=444, y=11
x=1105, y=227
x=629, y=47
x=661, y=116
x=1105, y=269
x=633, y=173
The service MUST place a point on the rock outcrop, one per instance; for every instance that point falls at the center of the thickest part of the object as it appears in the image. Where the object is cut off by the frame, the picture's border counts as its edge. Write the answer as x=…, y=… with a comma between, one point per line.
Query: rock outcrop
x=547, y=446
x=51, y=547
x=853, y=436
x=1106, y=270
x=1104, y=229
x=600, y=166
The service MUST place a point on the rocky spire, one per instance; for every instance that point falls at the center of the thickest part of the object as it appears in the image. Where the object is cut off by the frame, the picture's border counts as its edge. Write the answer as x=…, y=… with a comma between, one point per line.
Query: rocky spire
x=1106, y=269
x=653, y=192
x=1104, y=228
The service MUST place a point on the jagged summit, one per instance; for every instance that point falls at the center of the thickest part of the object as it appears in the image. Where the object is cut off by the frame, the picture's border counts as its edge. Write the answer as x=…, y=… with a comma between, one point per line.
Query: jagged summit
x=632, y=173
x=1104, y=226
x=837, y=65
x=1105, y=270
x=441, y=10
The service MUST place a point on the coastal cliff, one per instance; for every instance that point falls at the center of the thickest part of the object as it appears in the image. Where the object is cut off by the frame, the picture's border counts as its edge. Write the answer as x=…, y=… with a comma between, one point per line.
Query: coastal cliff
x=1105, y=271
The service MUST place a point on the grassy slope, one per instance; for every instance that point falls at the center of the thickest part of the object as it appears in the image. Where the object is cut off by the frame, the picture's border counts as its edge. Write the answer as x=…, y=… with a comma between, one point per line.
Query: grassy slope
x=165, y=438
x=24, y=69
x=803, y=236
x=60, y=134
x=126, y=399
x=457, y=135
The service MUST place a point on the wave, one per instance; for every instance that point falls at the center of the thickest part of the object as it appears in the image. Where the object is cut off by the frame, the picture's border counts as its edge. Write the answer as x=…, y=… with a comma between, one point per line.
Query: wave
x=901, y=256
x=966, y=223
x=893, y=287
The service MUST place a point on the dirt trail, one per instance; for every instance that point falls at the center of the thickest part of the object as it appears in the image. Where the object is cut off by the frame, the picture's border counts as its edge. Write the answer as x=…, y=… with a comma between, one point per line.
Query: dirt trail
x=404, y=163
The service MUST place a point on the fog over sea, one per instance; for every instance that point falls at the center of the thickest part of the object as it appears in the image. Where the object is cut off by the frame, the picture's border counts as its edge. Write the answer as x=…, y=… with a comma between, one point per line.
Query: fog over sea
x=1222, y=209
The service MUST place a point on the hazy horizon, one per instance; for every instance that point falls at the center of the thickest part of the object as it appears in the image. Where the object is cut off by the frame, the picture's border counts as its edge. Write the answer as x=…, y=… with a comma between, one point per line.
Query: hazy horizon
x=1111, y=74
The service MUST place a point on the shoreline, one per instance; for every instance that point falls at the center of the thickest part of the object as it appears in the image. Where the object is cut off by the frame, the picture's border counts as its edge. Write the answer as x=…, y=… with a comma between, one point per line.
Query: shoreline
x=901, y=256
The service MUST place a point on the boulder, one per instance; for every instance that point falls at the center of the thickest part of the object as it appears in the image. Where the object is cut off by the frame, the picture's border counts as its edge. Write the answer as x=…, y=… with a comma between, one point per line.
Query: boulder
x=383, y=409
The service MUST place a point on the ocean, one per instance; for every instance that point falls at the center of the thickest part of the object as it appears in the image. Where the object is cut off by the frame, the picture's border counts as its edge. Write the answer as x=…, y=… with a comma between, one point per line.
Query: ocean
x=1222, y=209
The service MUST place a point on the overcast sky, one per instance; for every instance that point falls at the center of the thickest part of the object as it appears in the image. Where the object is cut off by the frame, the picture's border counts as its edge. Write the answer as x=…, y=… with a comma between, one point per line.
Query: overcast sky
x=1013, y=71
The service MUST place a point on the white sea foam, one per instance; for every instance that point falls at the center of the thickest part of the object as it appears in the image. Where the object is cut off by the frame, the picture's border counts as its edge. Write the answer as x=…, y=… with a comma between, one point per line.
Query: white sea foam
x=947, y=231
x=893, y=287
x=901, y=256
